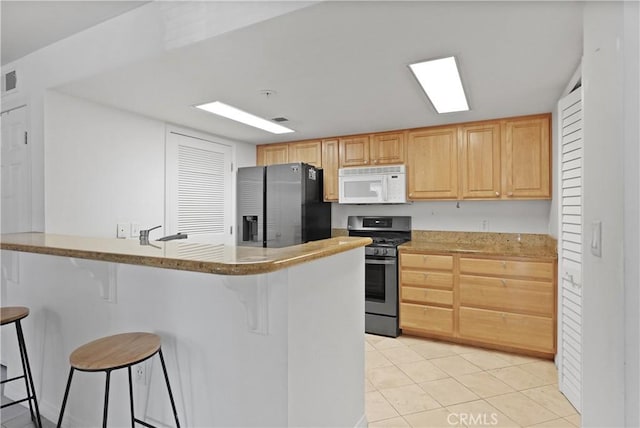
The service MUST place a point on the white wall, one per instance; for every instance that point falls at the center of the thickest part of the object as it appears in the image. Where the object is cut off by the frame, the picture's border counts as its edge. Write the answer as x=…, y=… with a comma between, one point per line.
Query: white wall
x=102, y=166
x=503, y=216
x=105, y=166
x=603, y=279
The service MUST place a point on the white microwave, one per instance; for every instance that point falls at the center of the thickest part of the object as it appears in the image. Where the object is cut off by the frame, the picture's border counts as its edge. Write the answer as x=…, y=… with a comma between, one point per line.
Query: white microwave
x=372, y=185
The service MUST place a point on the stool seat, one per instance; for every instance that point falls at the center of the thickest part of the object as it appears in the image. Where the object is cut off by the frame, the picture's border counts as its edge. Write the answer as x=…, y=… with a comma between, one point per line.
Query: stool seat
x=114, y=352
x=11, y=314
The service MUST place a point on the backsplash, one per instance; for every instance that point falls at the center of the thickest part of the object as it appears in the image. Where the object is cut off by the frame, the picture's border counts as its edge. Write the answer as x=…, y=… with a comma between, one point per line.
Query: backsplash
x=463, y=216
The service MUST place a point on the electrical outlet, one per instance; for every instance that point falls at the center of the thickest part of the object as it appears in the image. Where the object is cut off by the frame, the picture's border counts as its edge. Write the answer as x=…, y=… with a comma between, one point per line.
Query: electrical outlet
x=123, y=230
x=141, y=374
x=484, y=225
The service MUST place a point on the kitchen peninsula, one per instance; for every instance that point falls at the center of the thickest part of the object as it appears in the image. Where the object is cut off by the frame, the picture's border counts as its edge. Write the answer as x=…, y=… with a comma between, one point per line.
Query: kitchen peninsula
x=252, y=336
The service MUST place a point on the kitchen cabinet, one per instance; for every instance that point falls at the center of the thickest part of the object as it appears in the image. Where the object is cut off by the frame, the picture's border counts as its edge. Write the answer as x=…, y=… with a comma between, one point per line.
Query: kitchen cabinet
x=432, y=163
x=387, y=148
x=306, y=151
x=502, y=303
x=480, y=165
x=330, y=162
x=426, y=293
x=526, y=169
x=354, y=151
x=270, y=154
x=508, y=302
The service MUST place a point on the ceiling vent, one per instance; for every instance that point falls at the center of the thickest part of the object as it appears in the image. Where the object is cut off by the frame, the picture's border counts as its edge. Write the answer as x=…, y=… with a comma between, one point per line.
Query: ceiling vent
x=9, y=82
x=280, y=119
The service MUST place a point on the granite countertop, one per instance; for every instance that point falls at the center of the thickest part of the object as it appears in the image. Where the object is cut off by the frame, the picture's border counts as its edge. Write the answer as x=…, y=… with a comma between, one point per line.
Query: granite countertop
x=181, y=254
x=483, y=243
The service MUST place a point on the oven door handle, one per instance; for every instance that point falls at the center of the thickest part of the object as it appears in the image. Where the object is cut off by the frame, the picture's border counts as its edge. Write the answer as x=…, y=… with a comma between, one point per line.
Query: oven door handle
x=380, y=262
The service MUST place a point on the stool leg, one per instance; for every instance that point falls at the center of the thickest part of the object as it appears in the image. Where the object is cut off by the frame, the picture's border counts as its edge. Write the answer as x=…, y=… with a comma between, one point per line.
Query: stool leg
x=166, y=378
x=27, y=371
x=64, y=400
x=106, y=400
x=133, y=418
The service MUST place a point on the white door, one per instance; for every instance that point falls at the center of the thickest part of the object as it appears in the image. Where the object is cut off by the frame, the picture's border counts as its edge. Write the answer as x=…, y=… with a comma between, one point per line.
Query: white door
x=198, y=188
x=16, y=172
x=570, y=249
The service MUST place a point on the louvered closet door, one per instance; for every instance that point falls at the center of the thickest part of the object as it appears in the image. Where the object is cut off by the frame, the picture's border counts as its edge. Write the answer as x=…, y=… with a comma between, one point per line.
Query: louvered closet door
x=198, y=188
x=570, y=249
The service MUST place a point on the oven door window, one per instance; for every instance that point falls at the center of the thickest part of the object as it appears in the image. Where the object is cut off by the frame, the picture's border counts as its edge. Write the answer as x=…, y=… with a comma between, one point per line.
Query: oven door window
x=375, y=275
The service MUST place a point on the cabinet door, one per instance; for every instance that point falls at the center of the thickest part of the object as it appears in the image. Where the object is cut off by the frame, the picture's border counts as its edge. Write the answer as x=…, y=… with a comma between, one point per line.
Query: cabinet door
x=270, y=154
x=432, y=163
x=330, y=169
x=526, y=170
x=387, y=149
x=481, y=160
x=354, y=151
x=306, y=151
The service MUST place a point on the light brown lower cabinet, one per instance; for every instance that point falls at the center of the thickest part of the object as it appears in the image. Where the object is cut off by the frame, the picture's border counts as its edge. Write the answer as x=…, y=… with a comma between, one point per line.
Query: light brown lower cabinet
x=499, y=303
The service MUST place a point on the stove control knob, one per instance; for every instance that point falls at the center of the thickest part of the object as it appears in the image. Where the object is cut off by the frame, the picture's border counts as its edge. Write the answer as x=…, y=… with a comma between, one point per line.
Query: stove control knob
x=376, y=251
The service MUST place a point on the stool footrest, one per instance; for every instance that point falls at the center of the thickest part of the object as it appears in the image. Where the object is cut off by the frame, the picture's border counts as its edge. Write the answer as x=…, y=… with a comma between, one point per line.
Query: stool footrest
x=144, y=423
x=16, y=402
x=12, y=379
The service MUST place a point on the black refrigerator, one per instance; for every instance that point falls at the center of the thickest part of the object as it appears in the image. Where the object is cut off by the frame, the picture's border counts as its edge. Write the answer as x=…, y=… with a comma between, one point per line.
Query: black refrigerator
x=281, y=205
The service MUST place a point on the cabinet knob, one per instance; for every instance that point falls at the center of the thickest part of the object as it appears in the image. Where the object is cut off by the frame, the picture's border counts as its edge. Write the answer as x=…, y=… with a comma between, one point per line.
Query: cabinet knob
x=504, y=283
x=366, y=162
x=425, y=275
x=504, y=316
x=504, y=265
x=497, y=193
x=509, y=193
x=375, y=161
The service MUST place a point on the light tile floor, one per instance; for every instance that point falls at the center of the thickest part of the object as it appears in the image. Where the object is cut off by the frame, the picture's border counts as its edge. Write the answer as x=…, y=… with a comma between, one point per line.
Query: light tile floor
x=415, y=382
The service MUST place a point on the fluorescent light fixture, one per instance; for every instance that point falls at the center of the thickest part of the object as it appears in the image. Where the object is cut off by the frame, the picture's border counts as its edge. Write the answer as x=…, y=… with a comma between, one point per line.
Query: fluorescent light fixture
x=222, y=109
x=441, y=82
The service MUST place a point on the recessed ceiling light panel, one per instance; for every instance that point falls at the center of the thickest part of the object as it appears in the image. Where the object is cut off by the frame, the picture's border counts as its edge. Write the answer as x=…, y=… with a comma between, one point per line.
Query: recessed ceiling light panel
x=441, y=82
x=225, y=110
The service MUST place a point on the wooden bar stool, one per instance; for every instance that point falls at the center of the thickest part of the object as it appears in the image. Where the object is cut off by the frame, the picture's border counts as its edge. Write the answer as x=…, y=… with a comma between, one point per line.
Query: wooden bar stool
x=113, y=353
x=14, y=314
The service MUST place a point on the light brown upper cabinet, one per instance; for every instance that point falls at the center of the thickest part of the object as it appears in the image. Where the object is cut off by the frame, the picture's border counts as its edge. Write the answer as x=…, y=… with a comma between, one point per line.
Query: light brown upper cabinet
x=270, y=154
x=526, y=170
x=432, y=163
x=306, y=151
x=387, y=148
x=480, y=166
x=354, y=151
x=330, y=169
x=376, y=149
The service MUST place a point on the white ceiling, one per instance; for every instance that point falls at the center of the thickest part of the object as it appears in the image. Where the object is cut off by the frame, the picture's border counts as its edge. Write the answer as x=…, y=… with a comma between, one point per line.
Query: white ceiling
x=341, y=67
x=30, y=25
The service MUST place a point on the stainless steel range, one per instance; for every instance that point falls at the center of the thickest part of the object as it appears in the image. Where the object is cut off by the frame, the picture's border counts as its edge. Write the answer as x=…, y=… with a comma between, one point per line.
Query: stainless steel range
x=381, y=269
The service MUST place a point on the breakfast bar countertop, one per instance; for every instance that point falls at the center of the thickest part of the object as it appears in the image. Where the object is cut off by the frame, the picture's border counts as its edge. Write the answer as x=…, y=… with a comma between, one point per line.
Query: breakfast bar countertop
x=181, y=255
x=483, y=244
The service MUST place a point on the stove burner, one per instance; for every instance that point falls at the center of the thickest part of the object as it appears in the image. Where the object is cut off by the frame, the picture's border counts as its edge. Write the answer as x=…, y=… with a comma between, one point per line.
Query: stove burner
x=386, y=242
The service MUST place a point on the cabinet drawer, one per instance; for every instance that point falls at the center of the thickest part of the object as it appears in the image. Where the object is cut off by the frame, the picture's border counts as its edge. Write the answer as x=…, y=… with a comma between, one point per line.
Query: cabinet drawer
x=426, y=318
x=511, y=295
x=427, y=279
x=543, y=270
x=426, y=261
x=523, y=331
x=427, y=295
